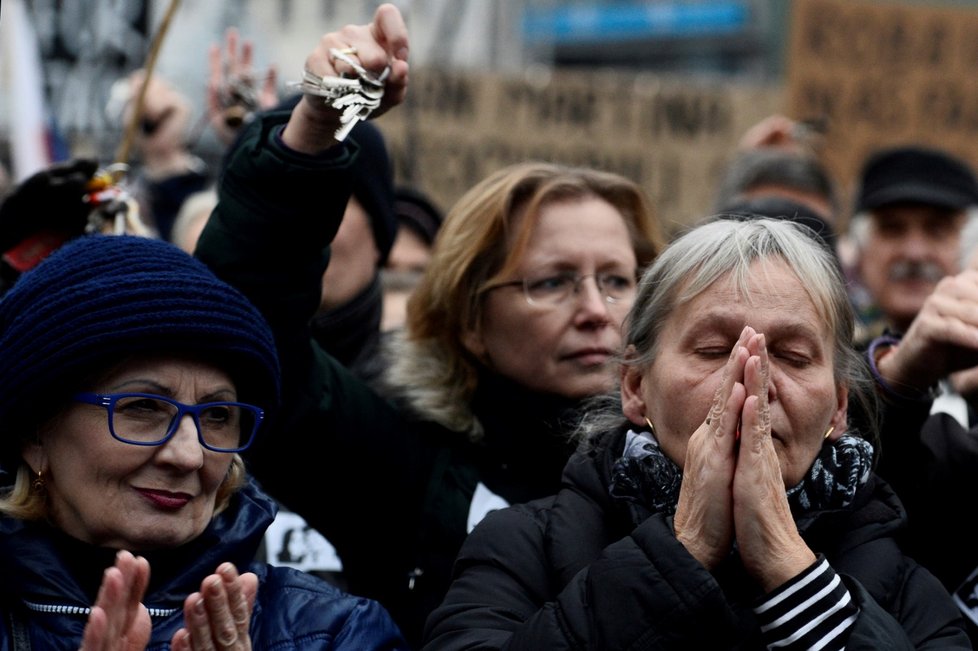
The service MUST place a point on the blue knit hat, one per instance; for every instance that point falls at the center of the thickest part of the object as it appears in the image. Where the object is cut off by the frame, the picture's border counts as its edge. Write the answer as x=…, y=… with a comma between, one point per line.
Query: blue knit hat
x=101, y=298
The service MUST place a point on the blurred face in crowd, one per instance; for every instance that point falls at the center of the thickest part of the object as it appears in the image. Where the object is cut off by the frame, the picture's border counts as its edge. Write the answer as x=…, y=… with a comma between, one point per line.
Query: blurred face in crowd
x=677, y=390
x=409, y=253
x=556, y=332
x=113, y=494
x=908, y=248
x=353, y=258
x=408, y=258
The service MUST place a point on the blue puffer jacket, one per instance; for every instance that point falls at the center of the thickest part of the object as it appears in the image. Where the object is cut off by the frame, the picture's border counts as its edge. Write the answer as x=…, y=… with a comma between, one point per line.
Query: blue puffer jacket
x=48, y=581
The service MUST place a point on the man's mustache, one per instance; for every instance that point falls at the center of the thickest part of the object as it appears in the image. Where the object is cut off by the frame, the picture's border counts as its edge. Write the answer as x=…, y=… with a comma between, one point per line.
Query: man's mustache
x=916, y=271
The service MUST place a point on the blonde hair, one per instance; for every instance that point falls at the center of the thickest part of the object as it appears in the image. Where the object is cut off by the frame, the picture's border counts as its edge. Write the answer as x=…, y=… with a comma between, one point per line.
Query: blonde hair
x=430, y=364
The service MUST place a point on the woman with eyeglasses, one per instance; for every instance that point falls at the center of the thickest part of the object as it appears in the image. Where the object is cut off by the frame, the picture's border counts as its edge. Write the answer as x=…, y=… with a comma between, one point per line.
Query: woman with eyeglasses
x=133, y=379
x=514, y=322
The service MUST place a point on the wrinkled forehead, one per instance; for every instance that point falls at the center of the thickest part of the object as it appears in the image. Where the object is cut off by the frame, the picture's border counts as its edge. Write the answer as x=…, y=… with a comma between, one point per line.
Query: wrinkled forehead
x=770, y=282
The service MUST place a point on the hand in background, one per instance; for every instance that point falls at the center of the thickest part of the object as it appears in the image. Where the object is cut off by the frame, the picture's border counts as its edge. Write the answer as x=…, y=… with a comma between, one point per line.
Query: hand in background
x=234, y=93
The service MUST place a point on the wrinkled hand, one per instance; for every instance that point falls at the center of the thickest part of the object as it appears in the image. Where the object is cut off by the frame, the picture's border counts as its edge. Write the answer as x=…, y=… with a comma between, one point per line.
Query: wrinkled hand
x=733, y=488
x=770, y=546
x=119, y=621
x=233, y=90
x=704, y=521
x=942, y=338
x=382, y=43
x=218, y=617
x=778, y=132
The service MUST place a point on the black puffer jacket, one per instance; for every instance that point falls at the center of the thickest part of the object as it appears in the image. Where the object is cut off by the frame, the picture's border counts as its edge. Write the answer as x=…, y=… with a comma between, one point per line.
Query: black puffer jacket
x=579, y=571
x=930, y=459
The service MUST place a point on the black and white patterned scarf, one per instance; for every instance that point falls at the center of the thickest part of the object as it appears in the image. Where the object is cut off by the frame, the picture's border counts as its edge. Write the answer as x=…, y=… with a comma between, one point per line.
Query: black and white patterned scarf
x=646, y=476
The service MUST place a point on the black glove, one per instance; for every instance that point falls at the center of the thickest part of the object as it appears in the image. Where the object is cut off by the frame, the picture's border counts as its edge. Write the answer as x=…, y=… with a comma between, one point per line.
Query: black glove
x=49, y=200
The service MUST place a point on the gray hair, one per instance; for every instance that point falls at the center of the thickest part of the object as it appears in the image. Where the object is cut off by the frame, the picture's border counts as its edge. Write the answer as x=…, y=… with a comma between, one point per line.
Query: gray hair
x=771, y=166
x=722, y=247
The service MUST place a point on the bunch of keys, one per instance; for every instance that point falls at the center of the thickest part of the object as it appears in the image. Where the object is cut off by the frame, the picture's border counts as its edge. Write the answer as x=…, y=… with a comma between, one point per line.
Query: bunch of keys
x=356, y=97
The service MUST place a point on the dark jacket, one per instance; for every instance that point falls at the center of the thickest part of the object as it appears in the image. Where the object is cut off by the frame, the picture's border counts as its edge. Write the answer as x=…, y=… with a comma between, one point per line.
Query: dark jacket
x=389, y=489
x=579, y=571
x=931, y=461
x=50, y=580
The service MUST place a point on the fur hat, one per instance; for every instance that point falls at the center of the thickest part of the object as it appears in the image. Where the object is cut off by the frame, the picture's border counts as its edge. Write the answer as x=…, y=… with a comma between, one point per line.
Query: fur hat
x=101, y=298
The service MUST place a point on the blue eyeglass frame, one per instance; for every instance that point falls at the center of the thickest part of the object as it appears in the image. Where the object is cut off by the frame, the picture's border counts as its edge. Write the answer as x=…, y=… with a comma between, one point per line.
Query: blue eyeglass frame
x=108, y=400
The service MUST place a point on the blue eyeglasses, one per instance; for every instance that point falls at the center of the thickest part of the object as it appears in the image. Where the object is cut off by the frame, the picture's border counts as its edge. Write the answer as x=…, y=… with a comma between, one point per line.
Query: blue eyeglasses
x=149, y=419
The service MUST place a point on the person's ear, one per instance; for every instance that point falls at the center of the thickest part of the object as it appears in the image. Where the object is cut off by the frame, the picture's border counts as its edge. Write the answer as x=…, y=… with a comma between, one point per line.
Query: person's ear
x=473, y=342
x=632, y=398
x=34, y=454
x=841, y=415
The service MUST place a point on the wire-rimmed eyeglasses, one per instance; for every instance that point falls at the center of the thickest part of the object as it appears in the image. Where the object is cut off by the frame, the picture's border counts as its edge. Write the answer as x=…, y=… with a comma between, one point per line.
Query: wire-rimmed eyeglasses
x=555, y=288
x=149, y=419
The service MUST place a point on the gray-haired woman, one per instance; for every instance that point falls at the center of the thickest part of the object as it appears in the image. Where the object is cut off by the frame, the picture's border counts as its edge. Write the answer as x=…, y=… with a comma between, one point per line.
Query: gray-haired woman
x=724, y=502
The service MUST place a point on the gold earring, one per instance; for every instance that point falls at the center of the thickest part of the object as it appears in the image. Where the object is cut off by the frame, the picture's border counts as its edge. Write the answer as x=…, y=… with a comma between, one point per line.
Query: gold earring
x=828, y=432
x=38, y=484
x=649, y=423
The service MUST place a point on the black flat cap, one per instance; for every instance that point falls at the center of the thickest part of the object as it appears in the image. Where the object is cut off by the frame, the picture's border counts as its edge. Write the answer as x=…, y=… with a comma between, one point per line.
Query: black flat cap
x=918, y=175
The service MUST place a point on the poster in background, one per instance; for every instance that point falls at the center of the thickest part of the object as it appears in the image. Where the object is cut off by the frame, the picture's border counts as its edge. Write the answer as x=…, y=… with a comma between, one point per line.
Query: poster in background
x=671, y=136
x=883, y=74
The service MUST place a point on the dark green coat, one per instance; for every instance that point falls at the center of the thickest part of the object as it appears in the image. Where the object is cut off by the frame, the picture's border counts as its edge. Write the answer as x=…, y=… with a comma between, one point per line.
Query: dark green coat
x=390, y=491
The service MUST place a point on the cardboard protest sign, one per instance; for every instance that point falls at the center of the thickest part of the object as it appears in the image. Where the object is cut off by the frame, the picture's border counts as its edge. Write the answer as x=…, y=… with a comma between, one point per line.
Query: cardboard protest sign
x=672, y=137
x=883, y=74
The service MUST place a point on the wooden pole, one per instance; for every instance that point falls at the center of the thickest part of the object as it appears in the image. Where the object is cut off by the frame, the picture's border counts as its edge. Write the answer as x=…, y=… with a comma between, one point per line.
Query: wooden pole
x=122, y=153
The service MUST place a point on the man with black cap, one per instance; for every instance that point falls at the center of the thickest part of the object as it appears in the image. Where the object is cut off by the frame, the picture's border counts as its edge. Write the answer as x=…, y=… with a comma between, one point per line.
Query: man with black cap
x=912, y=206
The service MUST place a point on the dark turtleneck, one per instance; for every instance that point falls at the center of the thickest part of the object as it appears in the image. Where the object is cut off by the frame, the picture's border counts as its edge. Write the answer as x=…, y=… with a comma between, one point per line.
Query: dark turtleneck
x=527, y=437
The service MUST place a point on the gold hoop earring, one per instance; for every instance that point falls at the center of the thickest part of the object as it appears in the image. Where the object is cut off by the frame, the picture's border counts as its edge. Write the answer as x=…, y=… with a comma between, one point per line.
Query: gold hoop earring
x=649, y=423
x=38, y=484
x=828, y=432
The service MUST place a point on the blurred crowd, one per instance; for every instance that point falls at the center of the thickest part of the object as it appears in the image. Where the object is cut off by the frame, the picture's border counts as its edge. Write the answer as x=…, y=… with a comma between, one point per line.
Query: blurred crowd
x=290, y=402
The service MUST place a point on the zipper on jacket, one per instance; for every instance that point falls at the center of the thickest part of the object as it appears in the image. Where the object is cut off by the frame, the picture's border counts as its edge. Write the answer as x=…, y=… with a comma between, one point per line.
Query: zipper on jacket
x=413, y=576
x=57, y=609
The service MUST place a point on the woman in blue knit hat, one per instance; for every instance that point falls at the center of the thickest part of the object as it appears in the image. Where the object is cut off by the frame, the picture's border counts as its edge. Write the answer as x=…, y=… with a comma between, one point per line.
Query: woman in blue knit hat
x=133, y=378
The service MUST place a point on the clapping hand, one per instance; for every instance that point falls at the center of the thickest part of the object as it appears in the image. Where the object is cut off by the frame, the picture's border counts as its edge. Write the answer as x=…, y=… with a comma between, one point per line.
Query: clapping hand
x=119, y=621
x=216, y=617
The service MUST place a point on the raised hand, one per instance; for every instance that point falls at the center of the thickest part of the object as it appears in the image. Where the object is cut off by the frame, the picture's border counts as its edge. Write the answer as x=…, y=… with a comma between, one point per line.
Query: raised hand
x=704, y=514
x=119, y=621
x=770, y=546
x=219, y=616
x=780, y=132
x=382, y=43
x=234, y=92
x=942, y=338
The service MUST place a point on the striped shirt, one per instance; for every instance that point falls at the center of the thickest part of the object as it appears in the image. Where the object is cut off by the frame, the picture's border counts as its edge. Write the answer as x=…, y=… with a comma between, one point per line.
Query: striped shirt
x=811, y=611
